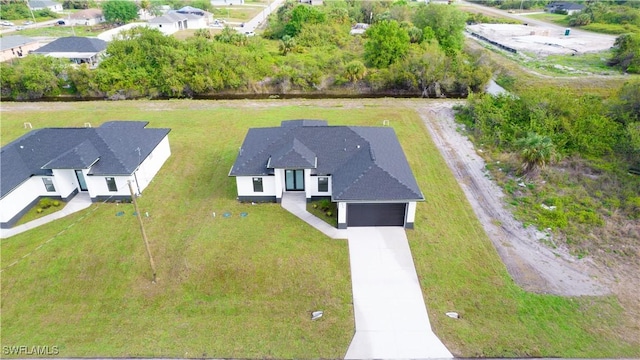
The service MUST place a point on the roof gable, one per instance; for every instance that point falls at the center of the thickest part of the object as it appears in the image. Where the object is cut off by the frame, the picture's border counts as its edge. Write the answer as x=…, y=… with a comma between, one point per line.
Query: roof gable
x=294, y=154
x=79, y=157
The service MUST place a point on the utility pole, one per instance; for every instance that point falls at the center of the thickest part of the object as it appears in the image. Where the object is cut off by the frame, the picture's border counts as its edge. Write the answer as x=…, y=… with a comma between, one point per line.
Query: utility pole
x=144, y=234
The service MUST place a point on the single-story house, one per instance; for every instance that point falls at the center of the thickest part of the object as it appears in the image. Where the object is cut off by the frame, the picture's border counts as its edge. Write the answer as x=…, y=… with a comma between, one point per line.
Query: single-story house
x=204, y=16
x=362, y=169
x=311, y=2
x=61, y=162
x=79, y=50
x=564, y=6
x=169, y=23
x=87, y=17
x=45, y=4
x=16, y=46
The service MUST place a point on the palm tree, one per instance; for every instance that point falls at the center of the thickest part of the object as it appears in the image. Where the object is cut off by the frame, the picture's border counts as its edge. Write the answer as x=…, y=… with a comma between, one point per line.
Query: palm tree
x=536, y=151
x=287, y=44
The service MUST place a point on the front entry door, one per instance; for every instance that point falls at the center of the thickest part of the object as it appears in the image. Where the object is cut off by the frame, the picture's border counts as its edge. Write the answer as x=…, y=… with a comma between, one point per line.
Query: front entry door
x=294, y=180
x=81, y=182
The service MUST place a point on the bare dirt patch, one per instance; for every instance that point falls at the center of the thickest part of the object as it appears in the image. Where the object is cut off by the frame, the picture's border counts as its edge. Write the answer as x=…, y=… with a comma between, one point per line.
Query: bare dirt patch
x=543, y=40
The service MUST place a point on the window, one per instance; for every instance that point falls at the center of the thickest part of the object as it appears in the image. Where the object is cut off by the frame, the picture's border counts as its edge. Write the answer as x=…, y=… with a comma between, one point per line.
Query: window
x=257, y=184
x=48, y=184
x=323, y=184
x=111, y=184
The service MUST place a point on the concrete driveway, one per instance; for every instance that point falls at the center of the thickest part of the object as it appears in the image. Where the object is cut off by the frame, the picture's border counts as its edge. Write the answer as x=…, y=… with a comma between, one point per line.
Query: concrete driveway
x=390, y=314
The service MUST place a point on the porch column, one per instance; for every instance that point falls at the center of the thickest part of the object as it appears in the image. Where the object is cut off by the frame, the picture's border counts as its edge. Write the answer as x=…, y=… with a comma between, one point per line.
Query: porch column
x=342, y=215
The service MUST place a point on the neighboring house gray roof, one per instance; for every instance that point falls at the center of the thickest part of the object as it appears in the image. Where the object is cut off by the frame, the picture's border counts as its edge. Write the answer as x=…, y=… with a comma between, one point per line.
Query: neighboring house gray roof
x=192, y=10
x=115, y=148
x=12, y=41
x=73, y=44
x=168, y=18
x=562, y=5
x=366, y=163
x=41, y=4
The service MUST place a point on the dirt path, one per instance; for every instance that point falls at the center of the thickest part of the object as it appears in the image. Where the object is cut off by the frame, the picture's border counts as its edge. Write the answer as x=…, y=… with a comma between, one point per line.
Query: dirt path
x=532, y=265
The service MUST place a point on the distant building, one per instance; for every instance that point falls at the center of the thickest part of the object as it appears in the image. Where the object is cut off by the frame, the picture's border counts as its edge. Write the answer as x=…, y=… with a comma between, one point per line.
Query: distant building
x=226, y=2
x=45, y=4
x=564, y=6
x=359, y=29
x=16, y=46
x=311, y=2
x=80, y=50
x=88, y=17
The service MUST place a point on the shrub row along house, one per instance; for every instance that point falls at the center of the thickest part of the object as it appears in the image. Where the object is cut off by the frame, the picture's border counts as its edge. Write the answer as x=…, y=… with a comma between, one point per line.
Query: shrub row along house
x=62, y=162
x=362, y=169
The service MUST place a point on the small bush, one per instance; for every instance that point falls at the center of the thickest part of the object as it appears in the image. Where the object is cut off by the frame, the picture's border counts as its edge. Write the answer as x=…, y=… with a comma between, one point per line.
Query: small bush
x=56, y=203
x=329, y=213
x=39, y=210
x=45, y=203
x=324, y=204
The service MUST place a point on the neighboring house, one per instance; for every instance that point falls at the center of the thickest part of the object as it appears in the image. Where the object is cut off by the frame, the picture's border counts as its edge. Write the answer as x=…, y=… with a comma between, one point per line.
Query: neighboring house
x=226, y=2
x=359, y=29
x=79, y=50
x=169, y=23
x=362, y=169
x=311, y=2
x=16, y=46
x=88, y=17
x=564, y=6
x=207, y=17
x=60, y=162
x=185, y=18
x=45, y=4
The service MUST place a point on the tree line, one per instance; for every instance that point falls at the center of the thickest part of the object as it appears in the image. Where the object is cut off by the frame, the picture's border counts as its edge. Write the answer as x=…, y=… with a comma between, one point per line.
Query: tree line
x=407, y=49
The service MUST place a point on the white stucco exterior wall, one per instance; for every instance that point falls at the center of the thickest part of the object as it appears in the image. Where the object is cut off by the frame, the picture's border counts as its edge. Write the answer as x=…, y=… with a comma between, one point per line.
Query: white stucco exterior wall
x=97, y=185
x=245, y=186
x=342, y=213
x=152, y=164
x=279, y=182
x=411, y=212
x=311, y=186
x=15, y=201
x=65, y=182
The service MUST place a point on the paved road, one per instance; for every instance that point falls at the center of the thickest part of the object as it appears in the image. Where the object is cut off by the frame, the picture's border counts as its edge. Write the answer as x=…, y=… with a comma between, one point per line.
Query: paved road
x=254, y=23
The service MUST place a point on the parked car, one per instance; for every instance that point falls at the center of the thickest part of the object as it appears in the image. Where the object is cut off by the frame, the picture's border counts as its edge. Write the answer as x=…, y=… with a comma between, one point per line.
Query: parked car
x=19, y=28
x=6, y=23
x=27, y=23
x=249, y=33
x=60, y=22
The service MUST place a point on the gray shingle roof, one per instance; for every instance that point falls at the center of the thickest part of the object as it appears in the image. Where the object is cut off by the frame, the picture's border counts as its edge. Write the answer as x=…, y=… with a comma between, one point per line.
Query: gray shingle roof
x=118, y=146
x=366, y=163
x=12, y=41
x=40, y=4
x=73, y=44
x=171, y=17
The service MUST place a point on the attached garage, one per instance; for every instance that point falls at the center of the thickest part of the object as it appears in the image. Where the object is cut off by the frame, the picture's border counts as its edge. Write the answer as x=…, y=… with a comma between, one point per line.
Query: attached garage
x=381, y=214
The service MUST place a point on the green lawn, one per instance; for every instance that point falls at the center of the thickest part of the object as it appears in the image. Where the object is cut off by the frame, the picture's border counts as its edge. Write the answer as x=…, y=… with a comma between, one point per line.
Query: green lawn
x=244, y=287
x=558, y=19
x=59, y=31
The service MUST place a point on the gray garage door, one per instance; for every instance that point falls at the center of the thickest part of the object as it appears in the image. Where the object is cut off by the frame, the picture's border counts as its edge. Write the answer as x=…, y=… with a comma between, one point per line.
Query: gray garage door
x=375, y=214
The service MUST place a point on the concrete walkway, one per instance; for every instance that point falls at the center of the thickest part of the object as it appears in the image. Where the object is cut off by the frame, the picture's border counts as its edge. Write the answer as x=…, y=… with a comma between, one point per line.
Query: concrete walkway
x=390, y=315
x=296, y=203
x=79, y=202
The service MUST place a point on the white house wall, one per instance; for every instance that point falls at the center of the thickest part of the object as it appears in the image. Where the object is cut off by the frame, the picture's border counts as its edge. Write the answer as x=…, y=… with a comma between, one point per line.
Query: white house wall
x=97, y=185
x=65, y=182
x=279, y=182
x=245, y=186
x=166, y=28
x=22, y=196
x=311, y=186
x=152, y=164
x=411, y=212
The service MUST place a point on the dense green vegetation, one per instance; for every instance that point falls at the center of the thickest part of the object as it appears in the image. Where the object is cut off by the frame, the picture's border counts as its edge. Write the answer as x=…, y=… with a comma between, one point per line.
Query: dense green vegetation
x=18, y=9
x=413, y=50
x=585, y=195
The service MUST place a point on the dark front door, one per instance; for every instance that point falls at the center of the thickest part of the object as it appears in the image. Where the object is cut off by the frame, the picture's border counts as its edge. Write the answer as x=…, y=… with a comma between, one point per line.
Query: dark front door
x=294, y=180
x=376, y=214
x=81, y=181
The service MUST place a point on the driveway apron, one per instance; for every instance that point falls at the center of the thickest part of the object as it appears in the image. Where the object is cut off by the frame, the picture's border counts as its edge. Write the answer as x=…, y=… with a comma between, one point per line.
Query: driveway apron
x=390, y=315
